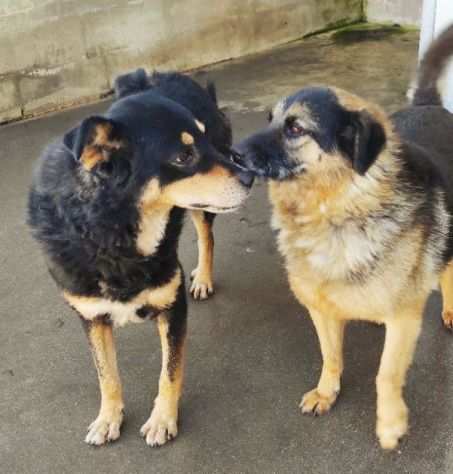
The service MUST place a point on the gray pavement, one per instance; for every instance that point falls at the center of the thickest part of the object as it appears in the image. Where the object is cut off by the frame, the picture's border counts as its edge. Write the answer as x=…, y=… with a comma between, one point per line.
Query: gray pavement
x=252, y=349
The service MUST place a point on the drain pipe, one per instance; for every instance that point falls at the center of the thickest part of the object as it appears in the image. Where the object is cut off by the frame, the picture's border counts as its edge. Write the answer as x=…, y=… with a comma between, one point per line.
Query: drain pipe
x=436, y=16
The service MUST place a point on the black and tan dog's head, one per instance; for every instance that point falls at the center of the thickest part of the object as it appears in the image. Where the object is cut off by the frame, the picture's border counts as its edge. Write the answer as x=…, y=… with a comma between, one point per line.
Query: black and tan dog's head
x=150, y=146
x=318, y=130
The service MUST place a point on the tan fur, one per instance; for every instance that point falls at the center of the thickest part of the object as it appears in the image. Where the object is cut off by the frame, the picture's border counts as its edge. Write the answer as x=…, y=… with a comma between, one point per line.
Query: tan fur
x=218, y=188
x=320, y=216
x=202, y=284
x=99, y=148
x=107, y=425
x=120, y=313
x=162, y=424
x=187, y=138
x=201, y=126
x=446, y=283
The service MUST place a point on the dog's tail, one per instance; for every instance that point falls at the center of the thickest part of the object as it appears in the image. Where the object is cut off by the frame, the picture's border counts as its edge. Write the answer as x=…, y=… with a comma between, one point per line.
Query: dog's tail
x=431, y=67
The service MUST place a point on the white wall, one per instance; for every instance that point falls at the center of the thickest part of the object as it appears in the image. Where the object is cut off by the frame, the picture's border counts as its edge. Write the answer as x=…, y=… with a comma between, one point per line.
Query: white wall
x=406, y=12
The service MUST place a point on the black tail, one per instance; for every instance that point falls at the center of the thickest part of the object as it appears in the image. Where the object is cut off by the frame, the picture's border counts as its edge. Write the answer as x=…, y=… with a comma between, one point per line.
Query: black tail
x=431, y=67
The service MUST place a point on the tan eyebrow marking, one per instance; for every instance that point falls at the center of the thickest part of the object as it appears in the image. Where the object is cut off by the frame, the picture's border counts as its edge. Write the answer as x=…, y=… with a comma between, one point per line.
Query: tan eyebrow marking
x=201, y=126
x=187, y=138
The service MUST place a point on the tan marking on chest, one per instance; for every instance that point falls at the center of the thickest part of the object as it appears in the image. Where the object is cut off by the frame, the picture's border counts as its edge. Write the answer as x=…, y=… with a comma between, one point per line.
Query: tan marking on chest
x=121, y=313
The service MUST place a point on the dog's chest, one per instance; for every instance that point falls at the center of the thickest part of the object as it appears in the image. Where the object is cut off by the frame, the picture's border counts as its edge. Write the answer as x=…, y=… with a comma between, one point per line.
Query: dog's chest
x=144, y=306
x=336, y=247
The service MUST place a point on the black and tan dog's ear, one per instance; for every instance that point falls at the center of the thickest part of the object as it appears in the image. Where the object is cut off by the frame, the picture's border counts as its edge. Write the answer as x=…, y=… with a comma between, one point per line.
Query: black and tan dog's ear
x=131, y=83
x=98, y=144
x=361, y=140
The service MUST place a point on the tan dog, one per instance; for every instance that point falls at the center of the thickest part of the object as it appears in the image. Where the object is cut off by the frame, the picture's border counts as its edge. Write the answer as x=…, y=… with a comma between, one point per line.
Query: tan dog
x=363, y=203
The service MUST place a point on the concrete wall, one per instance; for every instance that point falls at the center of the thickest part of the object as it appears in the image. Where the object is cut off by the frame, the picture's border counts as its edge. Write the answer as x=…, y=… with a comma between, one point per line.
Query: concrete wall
x=58, y=52
x=406, y=12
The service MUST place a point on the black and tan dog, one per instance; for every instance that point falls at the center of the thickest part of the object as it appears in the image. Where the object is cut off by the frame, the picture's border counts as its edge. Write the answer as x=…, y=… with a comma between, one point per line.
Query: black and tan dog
x=107, y=205
x=364, y=205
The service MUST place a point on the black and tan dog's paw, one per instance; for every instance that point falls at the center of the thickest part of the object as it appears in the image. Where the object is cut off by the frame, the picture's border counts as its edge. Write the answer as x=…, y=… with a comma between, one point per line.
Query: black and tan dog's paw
x=447, y=318
x=315, y=403
x=104, y=429
x=202, y=286
x=161, y=427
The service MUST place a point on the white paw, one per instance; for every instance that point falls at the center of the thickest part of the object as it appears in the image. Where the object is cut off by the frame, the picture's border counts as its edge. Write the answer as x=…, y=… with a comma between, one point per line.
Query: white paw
x=160, y=427
x=317, y=404
x=104, y=429
x=202, y=287
x=389, y=432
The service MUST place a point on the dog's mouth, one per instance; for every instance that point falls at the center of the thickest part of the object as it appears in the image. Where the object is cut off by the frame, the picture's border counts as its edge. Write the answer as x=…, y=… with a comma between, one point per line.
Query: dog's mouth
x=214, y=209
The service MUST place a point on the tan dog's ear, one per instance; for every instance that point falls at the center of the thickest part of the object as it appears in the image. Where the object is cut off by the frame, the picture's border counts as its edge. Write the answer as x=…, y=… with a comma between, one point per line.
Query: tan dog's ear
x=361, y=139
x=99, y=145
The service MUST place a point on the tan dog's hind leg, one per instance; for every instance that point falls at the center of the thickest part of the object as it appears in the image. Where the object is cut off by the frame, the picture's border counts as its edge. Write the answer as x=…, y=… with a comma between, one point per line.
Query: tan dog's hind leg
x=446, y=284
x=162, y=424
x=330, y=333
x=392, y=414
x=107, y=425
x=202, y=284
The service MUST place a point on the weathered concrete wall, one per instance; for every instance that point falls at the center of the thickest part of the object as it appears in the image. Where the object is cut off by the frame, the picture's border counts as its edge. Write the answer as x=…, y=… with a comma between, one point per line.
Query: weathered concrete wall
x=57, y=52
x=406, y=12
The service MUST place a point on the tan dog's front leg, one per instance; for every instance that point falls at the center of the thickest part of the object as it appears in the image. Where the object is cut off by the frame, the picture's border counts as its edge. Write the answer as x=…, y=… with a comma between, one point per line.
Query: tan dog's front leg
x=330, y=333
x=106, y=427
x=202, y=284
x=162, y=425
x=392, y=414
x=446, y=284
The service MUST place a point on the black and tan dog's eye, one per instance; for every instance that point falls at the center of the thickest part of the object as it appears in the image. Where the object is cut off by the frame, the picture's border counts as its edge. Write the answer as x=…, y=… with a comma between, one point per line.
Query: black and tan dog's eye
x=184, y=158
x=294, y=130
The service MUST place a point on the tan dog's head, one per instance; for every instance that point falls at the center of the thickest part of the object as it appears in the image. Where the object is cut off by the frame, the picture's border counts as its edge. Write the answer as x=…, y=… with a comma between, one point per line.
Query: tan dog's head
x=317, y=131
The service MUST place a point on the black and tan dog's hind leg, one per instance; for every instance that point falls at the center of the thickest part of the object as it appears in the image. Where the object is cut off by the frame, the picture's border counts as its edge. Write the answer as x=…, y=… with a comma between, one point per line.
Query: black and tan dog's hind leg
x=330, y=333
x=202, y=280
x=400, y=340
x=162, y=425
x=106, y=427
x=446, y=284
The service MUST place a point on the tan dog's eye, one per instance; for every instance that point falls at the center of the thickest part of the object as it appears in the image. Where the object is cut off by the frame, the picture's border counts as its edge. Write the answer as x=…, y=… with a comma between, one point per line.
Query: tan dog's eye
x=294, y=130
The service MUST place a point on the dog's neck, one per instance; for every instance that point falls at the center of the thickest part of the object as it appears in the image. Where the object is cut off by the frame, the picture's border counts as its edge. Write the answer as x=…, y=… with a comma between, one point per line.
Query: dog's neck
x=152, y=225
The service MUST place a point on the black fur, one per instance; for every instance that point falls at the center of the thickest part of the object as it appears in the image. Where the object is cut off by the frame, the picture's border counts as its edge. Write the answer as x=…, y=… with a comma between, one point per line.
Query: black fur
x=87, y=220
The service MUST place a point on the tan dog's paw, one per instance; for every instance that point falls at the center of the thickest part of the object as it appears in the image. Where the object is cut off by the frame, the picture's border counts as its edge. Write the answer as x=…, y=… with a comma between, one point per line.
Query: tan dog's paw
x=447, y=317
x=105, y=428
x=390, y=431
x=314, y=402
x=202, y=286
x=160, y=427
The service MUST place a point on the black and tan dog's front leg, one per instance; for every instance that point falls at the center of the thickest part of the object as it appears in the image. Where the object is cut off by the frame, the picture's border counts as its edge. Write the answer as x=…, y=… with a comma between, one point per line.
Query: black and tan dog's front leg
x=106, y=427
x=162, y=425
x=202, y=282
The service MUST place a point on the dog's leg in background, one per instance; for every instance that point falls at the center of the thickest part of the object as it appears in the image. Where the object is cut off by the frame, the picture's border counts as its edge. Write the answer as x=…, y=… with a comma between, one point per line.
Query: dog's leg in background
x=400, y=340
x=330, y=333
x=162, y=424
x=107, y=425
x=446, y=284
x=202, y=284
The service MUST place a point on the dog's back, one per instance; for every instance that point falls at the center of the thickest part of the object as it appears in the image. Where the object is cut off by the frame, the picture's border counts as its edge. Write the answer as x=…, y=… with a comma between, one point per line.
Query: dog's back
x=185, y=91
